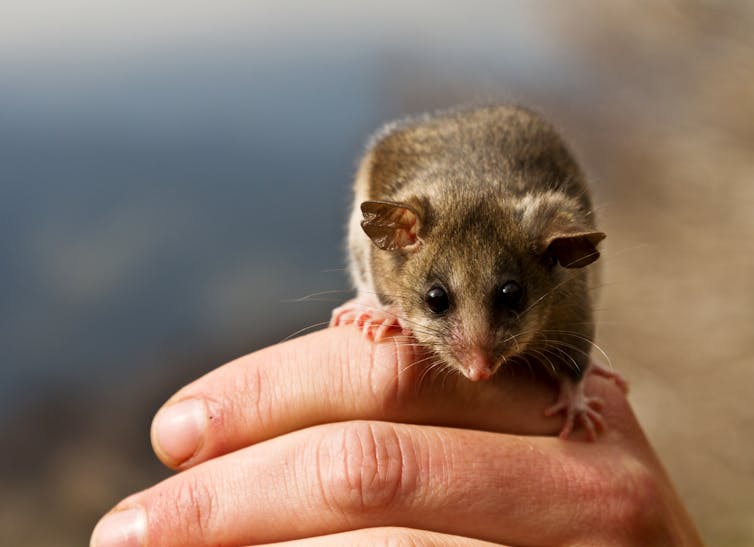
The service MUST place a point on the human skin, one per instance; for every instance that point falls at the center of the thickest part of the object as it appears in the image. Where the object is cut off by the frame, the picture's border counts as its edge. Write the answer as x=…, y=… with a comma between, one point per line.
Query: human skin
x=331, y=435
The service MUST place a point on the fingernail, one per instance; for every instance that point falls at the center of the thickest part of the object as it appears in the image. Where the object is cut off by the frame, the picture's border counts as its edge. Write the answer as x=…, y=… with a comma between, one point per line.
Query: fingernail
x=179, y=429
x=120, y=529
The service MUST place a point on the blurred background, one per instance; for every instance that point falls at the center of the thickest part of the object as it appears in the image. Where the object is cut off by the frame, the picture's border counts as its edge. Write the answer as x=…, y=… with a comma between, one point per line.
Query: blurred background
x=174, y=175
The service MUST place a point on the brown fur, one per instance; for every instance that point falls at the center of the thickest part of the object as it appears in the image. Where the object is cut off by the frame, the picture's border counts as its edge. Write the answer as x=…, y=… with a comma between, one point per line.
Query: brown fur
x=494, y=196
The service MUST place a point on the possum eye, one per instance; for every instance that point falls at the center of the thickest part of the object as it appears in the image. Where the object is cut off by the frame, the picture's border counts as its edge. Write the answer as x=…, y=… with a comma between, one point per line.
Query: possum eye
x=437, y=300
x=509, y=296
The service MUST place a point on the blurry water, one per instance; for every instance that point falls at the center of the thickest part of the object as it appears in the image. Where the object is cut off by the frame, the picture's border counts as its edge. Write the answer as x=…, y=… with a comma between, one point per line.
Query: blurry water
x=176, y=190
x=132, y=200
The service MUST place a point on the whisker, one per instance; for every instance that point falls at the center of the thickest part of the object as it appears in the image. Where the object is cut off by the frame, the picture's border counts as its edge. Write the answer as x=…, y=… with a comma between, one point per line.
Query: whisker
x=579, y=259
x=585, y=339
x=544, y=359
x=546, y=294
x=618, y=253
x=334, y=301
x=570, y=361
x=315, y=295
x=428, y=359
x=428, y=369
x=305, y=329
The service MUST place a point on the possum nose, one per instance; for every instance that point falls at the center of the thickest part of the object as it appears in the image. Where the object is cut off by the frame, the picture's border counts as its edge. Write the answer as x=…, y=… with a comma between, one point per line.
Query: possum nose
x=480, y=365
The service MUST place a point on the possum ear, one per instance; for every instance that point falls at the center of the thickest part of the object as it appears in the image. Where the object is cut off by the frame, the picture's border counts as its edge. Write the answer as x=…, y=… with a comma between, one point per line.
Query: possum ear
x=391, y=226
x=573, y=248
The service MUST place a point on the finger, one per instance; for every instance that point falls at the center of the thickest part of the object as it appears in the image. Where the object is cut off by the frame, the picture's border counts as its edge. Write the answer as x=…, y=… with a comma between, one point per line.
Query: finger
x=396, y=536
x=335, y=375
x=352, y=475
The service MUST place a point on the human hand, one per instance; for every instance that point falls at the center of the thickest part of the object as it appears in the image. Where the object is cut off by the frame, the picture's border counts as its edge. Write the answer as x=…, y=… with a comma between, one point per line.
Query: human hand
x=329, y=435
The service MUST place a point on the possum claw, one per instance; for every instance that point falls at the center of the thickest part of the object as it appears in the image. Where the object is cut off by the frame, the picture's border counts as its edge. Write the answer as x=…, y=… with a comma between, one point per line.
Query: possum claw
x=605, y=372
x=373, y=321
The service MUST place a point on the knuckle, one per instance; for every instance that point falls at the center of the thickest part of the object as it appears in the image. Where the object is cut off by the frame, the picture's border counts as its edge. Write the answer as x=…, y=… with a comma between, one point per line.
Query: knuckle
x=364, y=467
x=193, y=502
x=631, y=501
x=256, y=379
x=253, y=404
x=400, y=537
x=390, y=376
x=641, y=504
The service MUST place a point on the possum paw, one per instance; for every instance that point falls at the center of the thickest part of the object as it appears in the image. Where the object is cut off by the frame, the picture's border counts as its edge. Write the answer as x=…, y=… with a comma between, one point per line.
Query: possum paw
x=373, y=321
x=579, y=409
